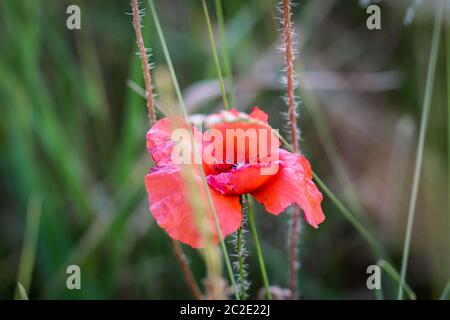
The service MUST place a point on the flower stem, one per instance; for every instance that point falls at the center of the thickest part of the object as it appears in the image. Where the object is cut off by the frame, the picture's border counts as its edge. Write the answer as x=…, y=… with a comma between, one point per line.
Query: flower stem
x=137, y=15
x=216, y=56
x=290, y=82
x=262, y=266
x=420, y=147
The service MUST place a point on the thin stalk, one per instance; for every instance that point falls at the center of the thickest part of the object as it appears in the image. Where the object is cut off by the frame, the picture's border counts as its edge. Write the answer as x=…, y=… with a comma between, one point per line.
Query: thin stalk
x=290, y=81
x=262, y=266
x=290, y=87
x=183, y=107
x=137, y=18
x=228, y=71
x=216, y=56
x=421, y=143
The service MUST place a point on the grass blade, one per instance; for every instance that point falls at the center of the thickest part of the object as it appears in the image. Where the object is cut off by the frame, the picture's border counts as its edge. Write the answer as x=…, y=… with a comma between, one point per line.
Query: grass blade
x=224, y=52
x=420, y=147
x=216, y=56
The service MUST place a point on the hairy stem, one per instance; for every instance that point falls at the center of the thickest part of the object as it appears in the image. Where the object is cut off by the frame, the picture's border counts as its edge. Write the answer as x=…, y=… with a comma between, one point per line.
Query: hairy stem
x=290, y=87
x=290, y=81
x=137, y=15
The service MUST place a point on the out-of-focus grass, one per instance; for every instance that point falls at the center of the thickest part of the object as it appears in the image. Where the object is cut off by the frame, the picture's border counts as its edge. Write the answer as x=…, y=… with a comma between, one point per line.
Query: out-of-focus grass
x=72, y=131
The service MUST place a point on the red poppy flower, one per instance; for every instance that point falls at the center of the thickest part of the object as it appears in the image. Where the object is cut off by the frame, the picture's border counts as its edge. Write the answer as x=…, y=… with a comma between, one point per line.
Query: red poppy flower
x=241, y=173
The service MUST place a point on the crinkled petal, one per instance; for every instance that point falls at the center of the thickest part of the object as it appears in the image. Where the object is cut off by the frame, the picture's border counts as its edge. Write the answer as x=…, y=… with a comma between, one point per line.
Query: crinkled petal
x=241, y=179
x=247, y=140
x=292, y=184
x=159, y=138
x=170, y=204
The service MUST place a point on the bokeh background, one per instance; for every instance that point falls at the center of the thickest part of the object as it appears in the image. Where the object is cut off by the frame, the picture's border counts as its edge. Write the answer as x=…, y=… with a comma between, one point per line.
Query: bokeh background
x=72, y=142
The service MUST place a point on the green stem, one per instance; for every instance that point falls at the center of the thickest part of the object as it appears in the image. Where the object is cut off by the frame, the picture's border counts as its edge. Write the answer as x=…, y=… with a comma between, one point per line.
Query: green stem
x=224, y=51
x=421, y=143
x=202, y=173
x=251, y=221
x=216, y=56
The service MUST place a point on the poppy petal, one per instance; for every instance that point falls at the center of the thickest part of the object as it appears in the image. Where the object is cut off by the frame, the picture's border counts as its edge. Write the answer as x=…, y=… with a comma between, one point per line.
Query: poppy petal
x=292, y=184
x=246, y=140
x=170, y=204
x=159, y=139
x=240, y=180
x=258, y=114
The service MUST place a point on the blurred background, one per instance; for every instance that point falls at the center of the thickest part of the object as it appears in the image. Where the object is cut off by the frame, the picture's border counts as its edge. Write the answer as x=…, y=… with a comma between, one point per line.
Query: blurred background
x=73, y=156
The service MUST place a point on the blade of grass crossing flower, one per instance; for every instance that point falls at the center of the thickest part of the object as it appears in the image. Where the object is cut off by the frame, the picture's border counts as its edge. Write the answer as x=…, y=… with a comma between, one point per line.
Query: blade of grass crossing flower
x=259, y=253
x=29, y=245
x=137, y=17
x=202, y=173
x=224, y=52
x=390, y=270
x=216, y=56
x=420, y=147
